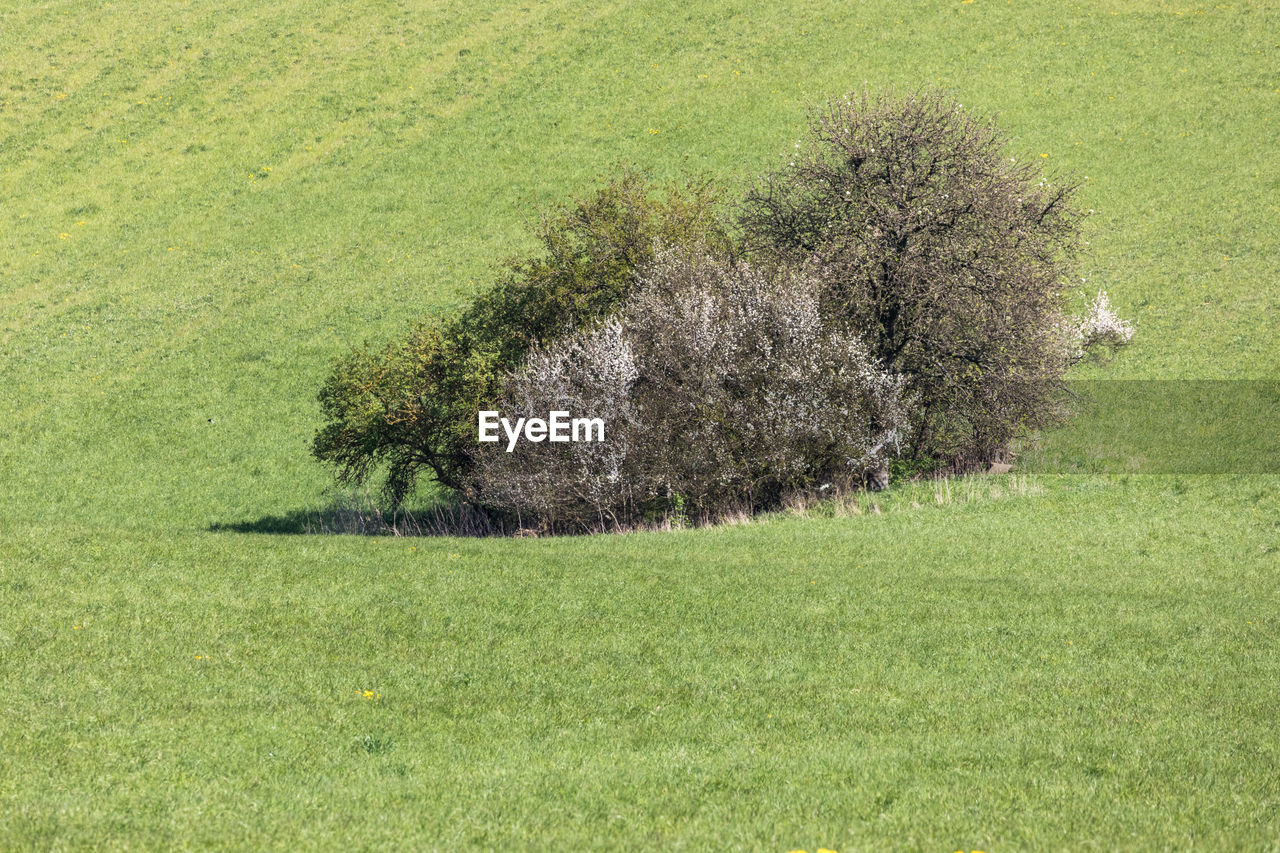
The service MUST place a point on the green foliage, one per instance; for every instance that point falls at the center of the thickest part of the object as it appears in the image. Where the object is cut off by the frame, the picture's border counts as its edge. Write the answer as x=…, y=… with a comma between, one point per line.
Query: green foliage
x=676, y=513
x=409, y=407
x=590, y=252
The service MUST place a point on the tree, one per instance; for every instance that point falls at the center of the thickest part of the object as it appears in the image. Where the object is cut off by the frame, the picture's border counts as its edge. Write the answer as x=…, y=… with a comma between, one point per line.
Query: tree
x=947, y=255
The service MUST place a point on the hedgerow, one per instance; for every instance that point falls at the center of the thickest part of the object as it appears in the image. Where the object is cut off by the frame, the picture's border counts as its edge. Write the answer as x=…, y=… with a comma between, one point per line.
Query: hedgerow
x=896, y=290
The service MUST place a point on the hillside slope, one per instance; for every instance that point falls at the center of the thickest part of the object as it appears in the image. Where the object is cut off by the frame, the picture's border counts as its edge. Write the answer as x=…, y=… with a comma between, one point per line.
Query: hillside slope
x=204, y=203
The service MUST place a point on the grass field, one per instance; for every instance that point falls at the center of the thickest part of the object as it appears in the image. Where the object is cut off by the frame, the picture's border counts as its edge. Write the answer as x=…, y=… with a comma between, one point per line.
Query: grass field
x=203, y=203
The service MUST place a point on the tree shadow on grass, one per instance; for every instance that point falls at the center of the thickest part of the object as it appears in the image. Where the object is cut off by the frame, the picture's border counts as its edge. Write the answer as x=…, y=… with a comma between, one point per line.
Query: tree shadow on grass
x=359, y=516
x=298, y=522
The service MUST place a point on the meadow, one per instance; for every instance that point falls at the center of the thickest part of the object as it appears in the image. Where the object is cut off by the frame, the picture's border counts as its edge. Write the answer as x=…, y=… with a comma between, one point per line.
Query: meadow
x=203, y=204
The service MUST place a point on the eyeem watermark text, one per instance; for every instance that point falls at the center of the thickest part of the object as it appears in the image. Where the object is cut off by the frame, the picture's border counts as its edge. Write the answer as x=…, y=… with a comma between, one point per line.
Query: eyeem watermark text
x=557, y=427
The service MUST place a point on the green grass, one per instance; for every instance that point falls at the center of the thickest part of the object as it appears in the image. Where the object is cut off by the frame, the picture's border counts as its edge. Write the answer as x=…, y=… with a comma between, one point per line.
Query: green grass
x=203, y=204
x=1056, y=671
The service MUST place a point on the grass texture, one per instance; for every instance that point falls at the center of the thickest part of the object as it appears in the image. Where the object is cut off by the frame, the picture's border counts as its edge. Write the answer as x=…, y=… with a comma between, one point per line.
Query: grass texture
x=202, y=204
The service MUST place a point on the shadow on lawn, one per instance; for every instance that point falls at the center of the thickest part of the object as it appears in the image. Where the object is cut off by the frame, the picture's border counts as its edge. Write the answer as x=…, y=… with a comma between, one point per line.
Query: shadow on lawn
x=297, y=522
x=362, y=517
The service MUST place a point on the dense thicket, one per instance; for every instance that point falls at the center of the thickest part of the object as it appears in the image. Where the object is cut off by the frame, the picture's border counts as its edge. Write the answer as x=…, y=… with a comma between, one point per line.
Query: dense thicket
x=722, y=390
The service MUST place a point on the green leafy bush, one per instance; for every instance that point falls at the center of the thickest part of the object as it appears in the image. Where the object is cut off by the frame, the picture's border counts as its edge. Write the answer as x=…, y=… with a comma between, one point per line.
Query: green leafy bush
x=407, y=408
x=589, y=253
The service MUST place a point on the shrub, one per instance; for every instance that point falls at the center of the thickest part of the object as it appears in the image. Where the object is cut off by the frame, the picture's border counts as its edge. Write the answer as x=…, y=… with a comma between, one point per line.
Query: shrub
x=721, y=389
x=410, y=406
x=1097, y=332
x=407, y=408
x=944, y=253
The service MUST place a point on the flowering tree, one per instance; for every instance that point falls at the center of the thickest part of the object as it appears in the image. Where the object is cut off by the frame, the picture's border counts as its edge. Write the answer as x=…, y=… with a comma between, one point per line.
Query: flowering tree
x=722, y=389
x=1098, y=331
